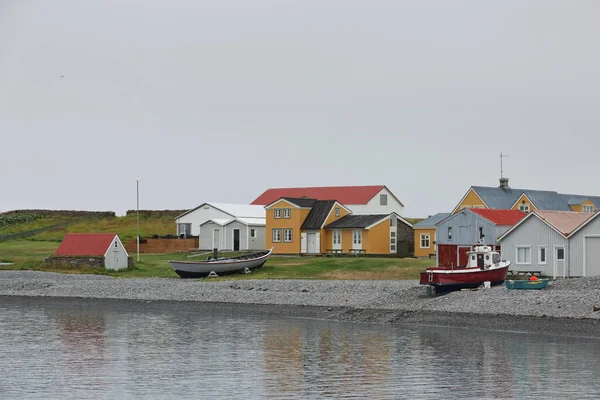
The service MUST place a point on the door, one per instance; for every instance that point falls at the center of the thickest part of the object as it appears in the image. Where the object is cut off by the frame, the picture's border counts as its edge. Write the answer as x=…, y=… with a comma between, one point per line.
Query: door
x=303, y=242
x=592, y=256
x=559, y=261
x=462, y=257
x=337, y=239
x=311, y=247
x=236, y=240
x=357, y=239
x=216, y=234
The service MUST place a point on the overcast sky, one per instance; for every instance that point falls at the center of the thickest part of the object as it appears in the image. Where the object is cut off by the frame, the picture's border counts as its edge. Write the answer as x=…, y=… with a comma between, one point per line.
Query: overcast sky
x=220, y=100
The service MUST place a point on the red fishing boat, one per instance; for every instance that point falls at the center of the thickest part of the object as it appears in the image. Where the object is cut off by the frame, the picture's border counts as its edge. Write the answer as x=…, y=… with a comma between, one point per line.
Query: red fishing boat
x=484, y=265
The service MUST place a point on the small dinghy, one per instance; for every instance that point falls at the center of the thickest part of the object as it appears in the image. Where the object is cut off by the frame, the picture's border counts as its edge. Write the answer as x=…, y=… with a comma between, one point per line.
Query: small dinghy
x=220, y=265
x=526, y=284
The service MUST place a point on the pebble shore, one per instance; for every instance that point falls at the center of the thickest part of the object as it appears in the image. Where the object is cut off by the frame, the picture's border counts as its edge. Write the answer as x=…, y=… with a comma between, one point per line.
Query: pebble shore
x=564, y=307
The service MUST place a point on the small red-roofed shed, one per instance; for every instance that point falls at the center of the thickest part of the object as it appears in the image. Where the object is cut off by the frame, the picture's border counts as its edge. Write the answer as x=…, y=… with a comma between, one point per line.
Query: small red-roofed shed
x=106, y=245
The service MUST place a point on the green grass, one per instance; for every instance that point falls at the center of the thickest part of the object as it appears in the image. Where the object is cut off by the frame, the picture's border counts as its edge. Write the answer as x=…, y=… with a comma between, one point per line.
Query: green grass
x=30, y=255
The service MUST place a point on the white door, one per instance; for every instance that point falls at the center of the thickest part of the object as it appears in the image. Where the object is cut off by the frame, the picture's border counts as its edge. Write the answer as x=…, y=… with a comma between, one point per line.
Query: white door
x=592, y=256
x=317, y=242
x=311, y=247
x=303, y=242
x=559, y=261
x=337, y=240
x=216, y=239
x=357, y=239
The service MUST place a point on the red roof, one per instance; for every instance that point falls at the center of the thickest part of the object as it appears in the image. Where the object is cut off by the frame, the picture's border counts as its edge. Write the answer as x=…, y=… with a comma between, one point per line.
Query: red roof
x=500, y=217
x=343, y=194
x=85, y=244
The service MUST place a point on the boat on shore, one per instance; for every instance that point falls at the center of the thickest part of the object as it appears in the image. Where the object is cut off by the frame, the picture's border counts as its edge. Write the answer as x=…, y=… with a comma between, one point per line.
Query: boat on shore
x=220, y=265
x=484, y=265
x=522, y=284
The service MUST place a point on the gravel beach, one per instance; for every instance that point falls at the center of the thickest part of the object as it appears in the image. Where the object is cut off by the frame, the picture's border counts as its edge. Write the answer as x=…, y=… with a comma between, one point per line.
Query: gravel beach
x=565, y=307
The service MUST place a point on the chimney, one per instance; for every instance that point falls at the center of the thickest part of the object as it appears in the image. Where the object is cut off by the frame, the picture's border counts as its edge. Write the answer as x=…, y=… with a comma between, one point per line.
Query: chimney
x=504, y=183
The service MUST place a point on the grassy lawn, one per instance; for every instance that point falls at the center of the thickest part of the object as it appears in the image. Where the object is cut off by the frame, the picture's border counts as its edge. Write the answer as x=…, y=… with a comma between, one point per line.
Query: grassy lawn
x=30, y=255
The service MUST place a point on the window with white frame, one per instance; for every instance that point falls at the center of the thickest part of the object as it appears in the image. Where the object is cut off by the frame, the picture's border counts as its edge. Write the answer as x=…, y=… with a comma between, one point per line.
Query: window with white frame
x=337, y=211
x=383, y=199
x=287, y=235
x=542, y=255
x=425, y=240
x=337, y=237
x=252, y=233
x=357, y=236
x=277, y=213
x=523, y=254
x=587, y=208
x=524, y=208
x=287, y=213
x=449, y=233
x=276, y=235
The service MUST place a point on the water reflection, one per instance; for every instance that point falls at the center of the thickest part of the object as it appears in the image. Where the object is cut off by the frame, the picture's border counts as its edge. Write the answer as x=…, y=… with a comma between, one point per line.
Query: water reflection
x=55, y=352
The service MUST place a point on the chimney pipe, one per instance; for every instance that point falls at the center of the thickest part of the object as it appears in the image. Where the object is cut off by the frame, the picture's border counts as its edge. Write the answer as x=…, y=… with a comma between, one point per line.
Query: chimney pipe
x=504, y=183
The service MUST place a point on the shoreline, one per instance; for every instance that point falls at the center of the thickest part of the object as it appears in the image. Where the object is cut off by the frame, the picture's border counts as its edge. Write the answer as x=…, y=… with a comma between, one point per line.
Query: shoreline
x=565, y=308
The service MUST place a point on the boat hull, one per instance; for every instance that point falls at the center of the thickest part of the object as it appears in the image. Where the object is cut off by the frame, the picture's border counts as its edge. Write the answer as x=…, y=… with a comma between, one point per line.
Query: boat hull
x=199, y=269
x=459, y=278
x=526, y=285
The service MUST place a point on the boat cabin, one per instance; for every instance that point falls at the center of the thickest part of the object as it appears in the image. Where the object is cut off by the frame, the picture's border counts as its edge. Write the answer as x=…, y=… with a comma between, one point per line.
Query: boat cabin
x=482, y=257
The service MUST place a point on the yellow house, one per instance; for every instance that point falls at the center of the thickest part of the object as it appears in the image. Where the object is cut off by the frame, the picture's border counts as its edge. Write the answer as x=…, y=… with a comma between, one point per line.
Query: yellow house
x=309, y=226
x=504, y=197
x=425, y=235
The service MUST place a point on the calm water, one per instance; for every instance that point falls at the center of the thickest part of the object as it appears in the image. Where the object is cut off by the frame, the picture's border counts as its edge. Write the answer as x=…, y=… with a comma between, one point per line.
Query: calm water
x=73, y=353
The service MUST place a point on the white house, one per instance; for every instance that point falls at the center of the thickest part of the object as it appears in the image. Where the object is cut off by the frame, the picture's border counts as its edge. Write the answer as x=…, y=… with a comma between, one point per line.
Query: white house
x=376, y=199
x=107, y=245
x=209, y=221
x=557, y=243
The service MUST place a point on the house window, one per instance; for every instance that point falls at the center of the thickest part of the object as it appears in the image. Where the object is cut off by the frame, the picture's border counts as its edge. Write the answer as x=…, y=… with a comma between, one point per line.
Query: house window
x=560, y=254
x=287, y=235
x=481, y=232
x=524, y=208
x=287, y=213
x=383, y=199
x=276, y=235
x=449, y=233
x=393, y=247
x=523, y=255
x=185, y=229
x=337, y=212
x=542, y=255
x=587, y=208
x=392, y=241
x=252, y=233
x=357, y=236
x=425, y=240
x=337, y=237
x=392, y=234
x=277, y=213
x=116, y=244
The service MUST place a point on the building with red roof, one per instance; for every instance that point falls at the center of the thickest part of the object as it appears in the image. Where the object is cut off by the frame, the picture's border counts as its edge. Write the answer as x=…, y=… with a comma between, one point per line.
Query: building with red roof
x=459, y=232
x=374, y=199
x=93, y=245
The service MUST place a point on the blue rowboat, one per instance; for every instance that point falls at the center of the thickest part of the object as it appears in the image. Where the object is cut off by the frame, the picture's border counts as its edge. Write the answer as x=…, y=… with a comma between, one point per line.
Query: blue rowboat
x=526, y=284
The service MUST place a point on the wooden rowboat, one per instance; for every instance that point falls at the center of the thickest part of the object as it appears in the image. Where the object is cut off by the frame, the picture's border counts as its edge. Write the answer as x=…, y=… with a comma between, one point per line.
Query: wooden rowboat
x=220, y=265
x=526, y=284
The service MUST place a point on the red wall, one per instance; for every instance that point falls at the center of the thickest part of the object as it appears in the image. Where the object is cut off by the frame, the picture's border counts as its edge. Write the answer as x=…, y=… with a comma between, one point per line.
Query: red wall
x=447, y=254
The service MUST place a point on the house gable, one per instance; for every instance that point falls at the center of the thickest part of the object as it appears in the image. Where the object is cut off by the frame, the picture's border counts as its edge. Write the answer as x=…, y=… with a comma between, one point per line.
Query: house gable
x=522, y=203
x=343, y=211
x=470, y=199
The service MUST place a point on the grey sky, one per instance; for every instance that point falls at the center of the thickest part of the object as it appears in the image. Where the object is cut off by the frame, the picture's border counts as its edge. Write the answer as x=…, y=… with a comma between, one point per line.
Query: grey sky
x=220, y=100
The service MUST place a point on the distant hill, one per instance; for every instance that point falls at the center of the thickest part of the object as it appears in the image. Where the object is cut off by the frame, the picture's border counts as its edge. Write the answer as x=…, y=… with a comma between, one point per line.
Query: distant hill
x=414, y=220
x=53, y=225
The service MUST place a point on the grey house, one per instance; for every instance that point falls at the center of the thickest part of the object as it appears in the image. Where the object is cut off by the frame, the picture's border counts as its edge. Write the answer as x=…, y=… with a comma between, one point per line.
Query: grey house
x=456, y=234
x=233, y=234
x=559, y=244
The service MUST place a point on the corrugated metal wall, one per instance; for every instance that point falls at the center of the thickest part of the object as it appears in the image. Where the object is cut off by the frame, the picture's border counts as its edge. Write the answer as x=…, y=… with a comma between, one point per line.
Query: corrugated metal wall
x=534, y=233
x=576, y=255
x=465, y=229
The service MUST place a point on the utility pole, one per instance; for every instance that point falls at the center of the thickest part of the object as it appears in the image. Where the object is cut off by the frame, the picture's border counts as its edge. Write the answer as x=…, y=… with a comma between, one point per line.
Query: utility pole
x=137, y=215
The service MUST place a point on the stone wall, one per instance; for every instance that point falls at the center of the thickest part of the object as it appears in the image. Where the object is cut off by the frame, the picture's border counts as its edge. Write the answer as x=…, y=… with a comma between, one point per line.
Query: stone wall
x=162, y=245
x=81, y=261
x=405, y=234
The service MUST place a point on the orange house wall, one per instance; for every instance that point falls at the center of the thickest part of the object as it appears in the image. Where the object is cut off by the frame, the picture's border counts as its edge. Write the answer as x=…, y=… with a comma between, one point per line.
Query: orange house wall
x=378, y=238
x=419, y=252
x=297, y=217
x=471, y=199
x=521, y=200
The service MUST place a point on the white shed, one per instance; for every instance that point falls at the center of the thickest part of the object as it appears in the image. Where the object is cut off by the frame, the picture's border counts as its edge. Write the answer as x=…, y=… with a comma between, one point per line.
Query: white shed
x=557, y=243
x=236, y=234
x=107, y=245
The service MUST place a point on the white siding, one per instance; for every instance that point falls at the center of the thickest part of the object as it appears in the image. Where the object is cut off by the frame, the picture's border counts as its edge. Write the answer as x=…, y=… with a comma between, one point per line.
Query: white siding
x=115, y=257
x=246, y=242
x=206, y=235
x=576, y=254
x=374, y=206
x=465, y=229
x=535, y=233
x=200, y=216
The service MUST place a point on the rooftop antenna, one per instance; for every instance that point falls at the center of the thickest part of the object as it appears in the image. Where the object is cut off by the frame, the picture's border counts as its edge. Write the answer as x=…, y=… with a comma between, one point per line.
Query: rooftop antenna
x=501, y=156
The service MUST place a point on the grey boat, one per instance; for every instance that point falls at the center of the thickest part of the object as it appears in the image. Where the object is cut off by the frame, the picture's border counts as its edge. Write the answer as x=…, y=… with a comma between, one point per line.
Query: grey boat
x=220, y=265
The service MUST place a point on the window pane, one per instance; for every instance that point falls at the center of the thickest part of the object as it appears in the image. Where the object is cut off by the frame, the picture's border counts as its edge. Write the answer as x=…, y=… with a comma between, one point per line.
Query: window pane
x=542, y=254
x=560, y=254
